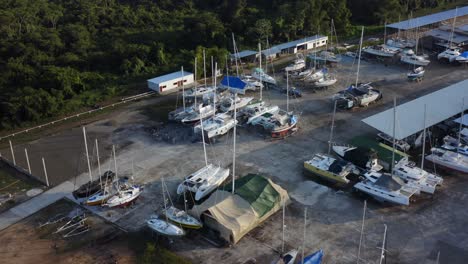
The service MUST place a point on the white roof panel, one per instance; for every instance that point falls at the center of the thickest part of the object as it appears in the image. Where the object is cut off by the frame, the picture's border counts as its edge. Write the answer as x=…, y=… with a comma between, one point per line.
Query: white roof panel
x=440, y=105
x=168, y=77
x=429, y=19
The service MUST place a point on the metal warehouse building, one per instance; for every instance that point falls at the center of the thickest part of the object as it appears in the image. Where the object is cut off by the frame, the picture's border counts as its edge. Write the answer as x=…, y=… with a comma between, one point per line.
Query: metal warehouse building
x=170, y=82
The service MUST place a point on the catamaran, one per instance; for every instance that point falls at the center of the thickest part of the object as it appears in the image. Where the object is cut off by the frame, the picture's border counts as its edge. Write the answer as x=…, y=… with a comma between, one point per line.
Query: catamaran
x=448, y=159
x=410, y=173
x=385, y=187
x=331, y=169
x=353, y=96
x=363, y=158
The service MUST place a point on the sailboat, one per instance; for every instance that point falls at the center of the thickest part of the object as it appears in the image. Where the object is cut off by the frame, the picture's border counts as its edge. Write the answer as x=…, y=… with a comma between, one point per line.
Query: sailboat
x=331, y=169
x=358, y=94
x=227, y=104
x=164, y=227
x=386, y=187
x=205, y=180
x=449, y=159
x=217, y=125
x=297, y=65
x=124, y=196
x=325, y=81
x=259, y=74
x=416, y=73
x=452, y=52
x=280, y=124
x=410, y=57
x=451, y=143
x=181, y=217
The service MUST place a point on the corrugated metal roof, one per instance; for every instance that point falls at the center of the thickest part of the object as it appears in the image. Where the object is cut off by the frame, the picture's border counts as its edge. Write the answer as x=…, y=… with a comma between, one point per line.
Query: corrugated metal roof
x=440, y=105
x=168, y=77
x=244, y=53
x=429, y=19
x=292, y=44
x=445, y=35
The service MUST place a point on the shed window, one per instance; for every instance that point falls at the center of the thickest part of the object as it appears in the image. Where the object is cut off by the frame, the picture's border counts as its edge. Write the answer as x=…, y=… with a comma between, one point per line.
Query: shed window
x=185, y=81
x=175, y=83
x=164, y=86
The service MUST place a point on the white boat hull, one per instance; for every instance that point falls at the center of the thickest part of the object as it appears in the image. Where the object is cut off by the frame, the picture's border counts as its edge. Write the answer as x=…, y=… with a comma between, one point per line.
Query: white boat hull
x=382, y=196
x=164, y=227
x=412, y=61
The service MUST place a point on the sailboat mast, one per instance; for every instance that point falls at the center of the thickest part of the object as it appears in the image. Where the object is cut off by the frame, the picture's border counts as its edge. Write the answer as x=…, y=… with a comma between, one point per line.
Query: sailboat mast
x=362, y=232
x=98, y=162
x=283, y=227
x=423, y=140
x=304, y=237
x=183, y=86
x=260, y=61
x=394, y=140
x=195, y=79
x=382, y=254
x=203, y=140
x=235, y=54
x=234, y=146
x=214, y=87
x=115, y=160
x=164, y=197
x=204, y=66
x=359, y=59
x=461, y=124
x=453, y=27
x=287, y=92
x=385, y=33
x=332, y=127
x=87, y=155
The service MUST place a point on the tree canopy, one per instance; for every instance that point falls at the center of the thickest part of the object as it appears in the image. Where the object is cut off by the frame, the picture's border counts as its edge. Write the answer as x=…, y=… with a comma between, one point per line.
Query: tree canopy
x=59, y=55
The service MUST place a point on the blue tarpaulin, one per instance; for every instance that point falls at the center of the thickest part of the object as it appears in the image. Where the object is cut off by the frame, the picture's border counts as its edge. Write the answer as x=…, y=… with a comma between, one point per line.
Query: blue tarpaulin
x=464, y=54
x=315, y=258
x=234, y=84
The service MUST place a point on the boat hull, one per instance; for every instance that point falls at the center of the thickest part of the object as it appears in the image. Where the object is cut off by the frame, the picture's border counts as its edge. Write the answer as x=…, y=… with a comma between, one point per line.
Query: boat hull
x=414, y=62
x=376, y=194
x=326, y=175
x=449, y=166
x=284, y=132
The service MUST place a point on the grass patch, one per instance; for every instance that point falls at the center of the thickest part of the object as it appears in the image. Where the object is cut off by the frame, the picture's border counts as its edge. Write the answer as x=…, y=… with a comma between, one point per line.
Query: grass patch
x=11, y=184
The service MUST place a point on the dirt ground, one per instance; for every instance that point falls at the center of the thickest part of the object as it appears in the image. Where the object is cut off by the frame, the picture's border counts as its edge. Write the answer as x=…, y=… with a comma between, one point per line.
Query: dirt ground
x=415, y=233
x=26, y=242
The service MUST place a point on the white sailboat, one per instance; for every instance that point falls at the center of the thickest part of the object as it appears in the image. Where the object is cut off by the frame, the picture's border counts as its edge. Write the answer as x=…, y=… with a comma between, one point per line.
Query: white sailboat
x=257, y=108
x=181, y=217
x=164, y=227
x=259, y=74
x=421, y=179
x=217, y=125
x=451, y=143
x=381, y=50
x=199, y=91
x=452, y=52
x=448, y=159
x=410, y=57
x=325, y=81
x=227, y=104
x=206, y=179
x=385, y=187
x=416, y=73
x=124, y=196
x=297, y=65
x=200, y=112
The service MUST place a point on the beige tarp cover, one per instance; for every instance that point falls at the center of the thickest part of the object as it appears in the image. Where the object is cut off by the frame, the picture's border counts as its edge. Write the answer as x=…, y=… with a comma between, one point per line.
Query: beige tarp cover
x=231, y=215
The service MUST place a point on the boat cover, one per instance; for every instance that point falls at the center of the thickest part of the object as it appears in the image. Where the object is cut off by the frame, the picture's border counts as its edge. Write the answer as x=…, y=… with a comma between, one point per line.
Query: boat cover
x=233, y=82
x=233, y=215
x=315, y=258
x=390, y=182
x=337, y=166
x=360, y=156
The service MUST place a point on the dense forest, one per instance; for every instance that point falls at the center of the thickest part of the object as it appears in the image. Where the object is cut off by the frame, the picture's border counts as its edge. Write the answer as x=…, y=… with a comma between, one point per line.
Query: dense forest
x=57, y=56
